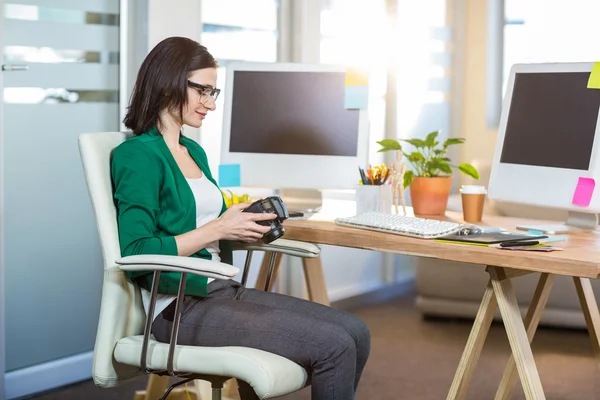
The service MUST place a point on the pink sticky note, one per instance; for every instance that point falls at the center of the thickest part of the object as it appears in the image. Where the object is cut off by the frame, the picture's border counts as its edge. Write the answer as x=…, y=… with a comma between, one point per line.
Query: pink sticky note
x=583, y=192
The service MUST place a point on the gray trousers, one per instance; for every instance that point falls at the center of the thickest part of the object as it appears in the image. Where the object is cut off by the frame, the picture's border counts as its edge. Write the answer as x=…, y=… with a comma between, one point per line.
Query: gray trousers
x=332, y=345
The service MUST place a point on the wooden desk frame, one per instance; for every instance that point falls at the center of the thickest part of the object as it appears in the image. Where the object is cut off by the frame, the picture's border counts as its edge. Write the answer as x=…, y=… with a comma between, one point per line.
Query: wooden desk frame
x=499, y=293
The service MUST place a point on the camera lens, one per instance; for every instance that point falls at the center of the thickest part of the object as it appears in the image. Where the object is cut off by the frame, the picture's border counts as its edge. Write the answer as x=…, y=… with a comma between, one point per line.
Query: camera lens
x=276, y=232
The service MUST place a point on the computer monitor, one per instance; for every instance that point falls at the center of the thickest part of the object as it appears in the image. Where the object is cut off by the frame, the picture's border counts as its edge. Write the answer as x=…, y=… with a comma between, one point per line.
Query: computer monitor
x=287, y=127
x=548, y=152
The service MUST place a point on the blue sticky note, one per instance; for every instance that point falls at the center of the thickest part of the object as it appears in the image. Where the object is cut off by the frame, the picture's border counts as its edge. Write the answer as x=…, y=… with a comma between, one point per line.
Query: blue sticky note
x=356, y=97
x=534, y=232
x=229, y=175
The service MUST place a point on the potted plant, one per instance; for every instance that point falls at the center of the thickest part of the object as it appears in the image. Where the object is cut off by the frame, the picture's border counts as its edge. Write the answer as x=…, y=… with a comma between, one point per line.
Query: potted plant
x=430, y=179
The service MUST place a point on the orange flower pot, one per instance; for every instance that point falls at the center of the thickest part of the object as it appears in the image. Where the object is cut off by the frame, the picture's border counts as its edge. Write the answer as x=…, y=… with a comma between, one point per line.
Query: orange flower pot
x=429, y=196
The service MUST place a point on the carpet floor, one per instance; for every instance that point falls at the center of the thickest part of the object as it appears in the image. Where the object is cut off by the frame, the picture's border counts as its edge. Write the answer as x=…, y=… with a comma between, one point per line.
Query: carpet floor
x=415, y=358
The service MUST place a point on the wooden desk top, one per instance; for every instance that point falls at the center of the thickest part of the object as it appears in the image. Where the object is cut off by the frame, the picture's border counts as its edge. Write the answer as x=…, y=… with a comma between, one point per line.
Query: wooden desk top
x=581, y=255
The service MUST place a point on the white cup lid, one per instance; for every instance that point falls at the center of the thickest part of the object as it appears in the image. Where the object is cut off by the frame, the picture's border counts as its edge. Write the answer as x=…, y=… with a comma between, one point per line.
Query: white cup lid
x=473, y=189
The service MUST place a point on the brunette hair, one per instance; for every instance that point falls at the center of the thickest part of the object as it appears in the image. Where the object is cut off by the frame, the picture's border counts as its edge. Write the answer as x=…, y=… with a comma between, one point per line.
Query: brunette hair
x=162, y=81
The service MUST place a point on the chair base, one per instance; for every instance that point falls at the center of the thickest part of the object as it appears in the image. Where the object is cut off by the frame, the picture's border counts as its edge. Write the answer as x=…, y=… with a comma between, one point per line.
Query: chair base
x=317, y=292
x=176, y=394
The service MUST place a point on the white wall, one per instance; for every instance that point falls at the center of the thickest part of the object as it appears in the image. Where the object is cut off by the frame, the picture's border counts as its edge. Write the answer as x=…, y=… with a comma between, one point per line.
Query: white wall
x=174, y=18
x=480, y=138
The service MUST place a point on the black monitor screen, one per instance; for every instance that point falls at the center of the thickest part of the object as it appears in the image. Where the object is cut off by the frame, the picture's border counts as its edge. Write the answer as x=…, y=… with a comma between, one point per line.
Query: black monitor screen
x=551, y=121
x=292, y=113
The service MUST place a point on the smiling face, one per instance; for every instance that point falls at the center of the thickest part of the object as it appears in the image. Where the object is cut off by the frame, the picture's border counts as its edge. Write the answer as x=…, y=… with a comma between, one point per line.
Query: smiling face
x=199, y=101
x=165, y=91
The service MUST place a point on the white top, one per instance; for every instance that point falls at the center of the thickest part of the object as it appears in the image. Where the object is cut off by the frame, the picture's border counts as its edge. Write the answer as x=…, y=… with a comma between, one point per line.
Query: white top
x=209, y=201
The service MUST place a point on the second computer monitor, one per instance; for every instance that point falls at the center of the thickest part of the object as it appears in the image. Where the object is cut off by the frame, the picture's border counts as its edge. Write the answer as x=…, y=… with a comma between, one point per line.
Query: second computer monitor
x=287, y=127
x=548, y=150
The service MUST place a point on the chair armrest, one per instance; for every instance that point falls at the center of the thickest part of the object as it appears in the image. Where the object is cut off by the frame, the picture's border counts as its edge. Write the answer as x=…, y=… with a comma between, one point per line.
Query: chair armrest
x=193, y=265
x=289, y=247
x=184, y=265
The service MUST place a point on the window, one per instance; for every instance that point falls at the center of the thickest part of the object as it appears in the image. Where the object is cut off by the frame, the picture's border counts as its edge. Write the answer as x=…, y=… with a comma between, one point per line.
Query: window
x=550, y=31
x=352, y=34
x=413, y=46
x=240, y=29
x=355, y=35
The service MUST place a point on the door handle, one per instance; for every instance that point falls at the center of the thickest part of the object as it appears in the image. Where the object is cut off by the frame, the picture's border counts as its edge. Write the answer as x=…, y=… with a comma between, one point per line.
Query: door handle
x=15, y=67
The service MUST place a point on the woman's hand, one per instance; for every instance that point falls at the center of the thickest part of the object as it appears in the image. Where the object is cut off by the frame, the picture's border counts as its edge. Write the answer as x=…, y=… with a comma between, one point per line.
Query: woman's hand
x=237, y=225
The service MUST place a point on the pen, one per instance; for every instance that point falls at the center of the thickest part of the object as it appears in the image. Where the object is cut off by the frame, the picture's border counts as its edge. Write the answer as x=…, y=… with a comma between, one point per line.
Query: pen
x=369, y=175
x=387, y=173
x=374, y=175
x=519, y=243
x=384, y=171
x=362, y=175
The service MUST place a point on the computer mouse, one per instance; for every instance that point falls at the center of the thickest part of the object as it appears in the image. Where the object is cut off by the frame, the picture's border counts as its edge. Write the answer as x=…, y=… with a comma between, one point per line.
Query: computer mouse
x=468, y=229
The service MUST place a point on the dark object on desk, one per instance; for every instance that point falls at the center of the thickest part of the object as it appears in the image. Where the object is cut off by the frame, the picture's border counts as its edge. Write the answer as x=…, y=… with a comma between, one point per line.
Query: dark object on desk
x=296, y=214
x=520, y=243
x=492, y=237
x=273, y=205
x=470, y=230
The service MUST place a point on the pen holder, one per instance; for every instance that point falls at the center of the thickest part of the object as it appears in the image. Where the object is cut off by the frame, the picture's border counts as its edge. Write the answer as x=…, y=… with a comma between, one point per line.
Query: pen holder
x=377, y=198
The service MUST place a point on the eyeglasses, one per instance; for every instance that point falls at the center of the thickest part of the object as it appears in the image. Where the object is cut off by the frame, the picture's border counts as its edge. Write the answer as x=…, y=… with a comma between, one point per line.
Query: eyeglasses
x=205, y=91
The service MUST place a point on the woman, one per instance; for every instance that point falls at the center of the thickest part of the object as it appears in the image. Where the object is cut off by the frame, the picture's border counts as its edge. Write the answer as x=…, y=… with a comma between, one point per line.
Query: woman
x=168, y=203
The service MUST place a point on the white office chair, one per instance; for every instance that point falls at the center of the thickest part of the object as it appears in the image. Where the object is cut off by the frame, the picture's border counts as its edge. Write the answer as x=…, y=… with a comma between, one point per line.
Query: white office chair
x=124, y=348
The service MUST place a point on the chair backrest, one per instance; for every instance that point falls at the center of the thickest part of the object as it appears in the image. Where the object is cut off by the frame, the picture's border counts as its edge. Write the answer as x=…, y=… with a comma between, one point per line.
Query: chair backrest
x=121, y=310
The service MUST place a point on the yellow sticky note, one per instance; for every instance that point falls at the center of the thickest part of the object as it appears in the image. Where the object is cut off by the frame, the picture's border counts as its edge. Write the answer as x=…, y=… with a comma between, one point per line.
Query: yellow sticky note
x=356, y=77
x=594, y=82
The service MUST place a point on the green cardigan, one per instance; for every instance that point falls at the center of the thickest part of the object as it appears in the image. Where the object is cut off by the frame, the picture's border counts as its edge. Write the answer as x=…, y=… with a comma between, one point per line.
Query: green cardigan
x=155, y=203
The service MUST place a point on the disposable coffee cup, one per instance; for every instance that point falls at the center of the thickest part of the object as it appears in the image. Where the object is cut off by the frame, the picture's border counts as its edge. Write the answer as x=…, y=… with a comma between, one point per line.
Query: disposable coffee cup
x=473, y=199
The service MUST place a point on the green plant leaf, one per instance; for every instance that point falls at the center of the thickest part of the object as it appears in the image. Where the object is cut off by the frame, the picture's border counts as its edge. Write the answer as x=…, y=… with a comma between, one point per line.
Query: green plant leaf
x=438, y=164
x=389, y=144
x=408, y=177
x=418, y=143
x=415, y=157
x=468, y=169
x=451, y=141
x=439, y=152
x=430, y=139
x=431, y=167
x=444, y=167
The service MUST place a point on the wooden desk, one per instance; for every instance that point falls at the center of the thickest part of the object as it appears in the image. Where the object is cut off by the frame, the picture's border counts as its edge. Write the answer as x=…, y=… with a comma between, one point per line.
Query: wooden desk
x=580, y=259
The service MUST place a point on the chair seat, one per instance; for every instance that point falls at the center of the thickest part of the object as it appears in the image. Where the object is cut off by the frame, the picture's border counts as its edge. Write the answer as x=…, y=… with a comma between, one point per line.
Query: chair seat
x=269, y=374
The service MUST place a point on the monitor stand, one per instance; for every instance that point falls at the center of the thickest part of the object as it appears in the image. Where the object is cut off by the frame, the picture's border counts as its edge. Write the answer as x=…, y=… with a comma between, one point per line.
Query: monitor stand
x=576, y=222
x=307, y=201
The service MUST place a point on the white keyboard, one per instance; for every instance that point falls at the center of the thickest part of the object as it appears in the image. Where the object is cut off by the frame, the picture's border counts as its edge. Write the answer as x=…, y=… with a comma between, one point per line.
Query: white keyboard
x=401, y=225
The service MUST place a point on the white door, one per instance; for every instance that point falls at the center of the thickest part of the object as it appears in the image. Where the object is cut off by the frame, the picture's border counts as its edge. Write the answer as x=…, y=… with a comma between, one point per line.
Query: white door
x=60, y=62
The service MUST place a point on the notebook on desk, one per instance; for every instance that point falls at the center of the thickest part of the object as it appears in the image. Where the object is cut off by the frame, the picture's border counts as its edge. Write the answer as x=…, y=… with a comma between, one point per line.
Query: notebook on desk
x=491, y=238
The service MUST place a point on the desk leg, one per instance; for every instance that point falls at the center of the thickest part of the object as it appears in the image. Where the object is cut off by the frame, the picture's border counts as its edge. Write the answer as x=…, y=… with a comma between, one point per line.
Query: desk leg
x=590, y=311
x=532, y=319
x=315, y=280
x=470, y=355
x=517, y=336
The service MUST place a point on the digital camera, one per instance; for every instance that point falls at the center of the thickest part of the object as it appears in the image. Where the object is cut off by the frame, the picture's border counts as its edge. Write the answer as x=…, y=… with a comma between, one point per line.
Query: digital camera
x=273, y=205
